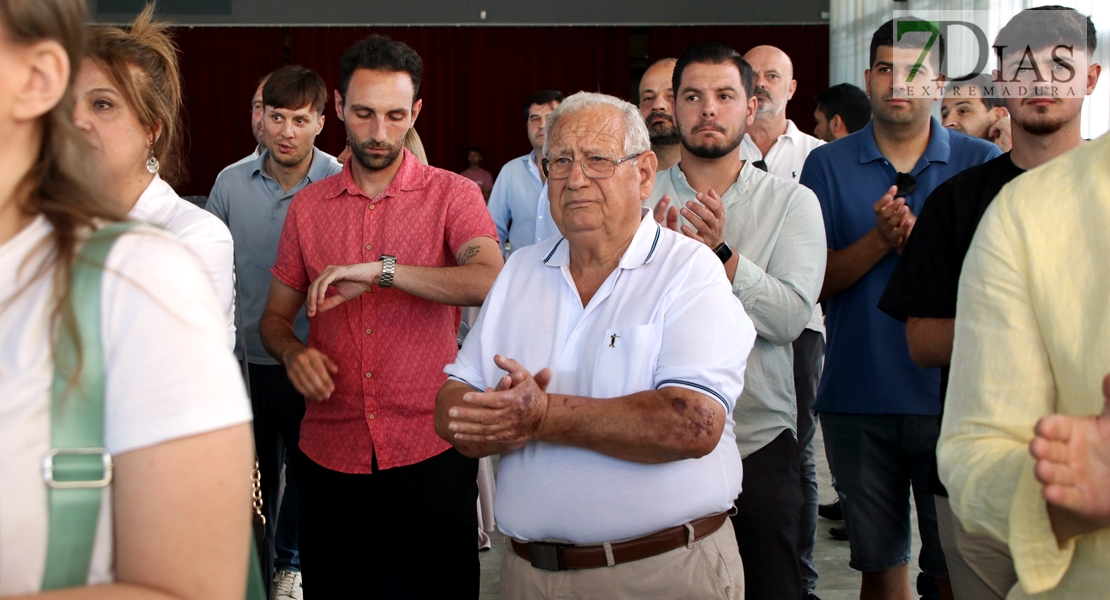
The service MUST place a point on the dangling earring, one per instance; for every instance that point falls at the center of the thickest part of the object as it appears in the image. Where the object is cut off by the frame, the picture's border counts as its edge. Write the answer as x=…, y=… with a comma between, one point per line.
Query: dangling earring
x=152, y=163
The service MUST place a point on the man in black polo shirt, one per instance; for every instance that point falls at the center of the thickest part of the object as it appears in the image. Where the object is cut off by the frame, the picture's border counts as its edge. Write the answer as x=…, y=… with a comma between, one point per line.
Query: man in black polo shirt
x=922, y=290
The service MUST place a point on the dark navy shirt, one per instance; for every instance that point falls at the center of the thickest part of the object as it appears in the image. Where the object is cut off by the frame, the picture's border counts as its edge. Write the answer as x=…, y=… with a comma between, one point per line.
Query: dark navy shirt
x=867, y=362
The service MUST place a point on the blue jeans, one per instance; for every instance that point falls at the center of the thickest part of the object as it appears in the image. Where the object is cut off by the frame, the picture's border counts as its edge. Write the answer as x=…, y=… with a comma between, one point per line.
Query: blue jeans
x=809, y=356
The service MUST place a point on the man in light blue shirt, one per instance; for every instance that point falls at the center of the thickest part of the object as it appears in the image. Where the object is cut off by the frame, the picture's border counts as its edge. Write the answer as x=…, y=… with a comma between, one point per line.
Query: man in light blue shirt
x=518, y=202
x=252, y=198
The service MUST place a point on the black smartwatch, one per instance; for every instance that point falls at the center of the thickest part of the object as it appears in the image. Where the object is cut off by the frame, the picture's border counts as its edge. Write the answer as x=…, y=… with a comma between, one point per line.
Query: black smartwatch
x=723, y=252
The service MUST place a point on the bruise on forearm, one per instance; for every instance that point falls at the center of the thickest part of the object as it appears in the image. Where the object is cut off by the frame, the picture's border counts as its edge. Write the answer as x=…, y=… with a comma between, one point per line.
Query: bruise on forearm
x=700, y=422
x=655, y=426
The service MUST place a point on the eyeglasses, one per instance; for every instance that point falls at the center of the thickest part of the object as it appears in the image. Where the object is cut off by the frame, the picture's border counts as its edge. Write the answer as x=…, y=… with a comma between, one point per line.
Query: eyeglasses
x=906, y=184
x=761, y=165
x=594, y=167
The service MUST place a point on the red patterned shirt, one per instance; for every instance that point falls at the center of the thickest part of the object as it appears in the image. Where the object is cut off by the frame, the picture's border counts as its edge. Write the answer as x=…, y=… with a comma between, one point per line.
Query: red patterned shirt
x=390, y=346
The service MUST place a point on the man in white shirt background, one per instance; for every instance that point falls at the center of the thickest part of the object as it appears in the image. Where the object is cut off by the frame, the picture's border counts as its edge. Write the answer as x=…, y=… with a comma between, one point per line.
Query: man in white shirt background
x=772, y=138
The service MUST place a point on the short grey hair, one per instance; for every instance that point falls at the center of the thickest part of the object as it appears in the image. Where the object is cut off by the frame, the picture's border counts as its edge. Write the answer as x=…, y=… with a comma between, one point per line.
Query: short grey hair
x=636, y=140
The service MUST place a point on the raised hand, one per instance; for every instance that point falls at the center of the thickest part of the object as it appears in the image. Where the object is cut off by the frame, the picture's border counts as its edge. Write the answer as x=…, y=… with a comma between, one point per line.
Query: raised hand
x=708, y=219
x=349, y=281
x=665, y=214
x=999, y=133
x=1073, y=461
x=511, y=414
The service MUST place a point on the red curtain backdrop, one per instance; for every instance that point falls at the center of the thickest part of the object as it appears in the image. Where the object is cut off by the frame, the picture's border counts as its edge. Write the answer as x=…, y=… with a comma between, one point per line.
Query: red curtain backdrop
x=476, y=80
x=220, y=68
x=807, y=46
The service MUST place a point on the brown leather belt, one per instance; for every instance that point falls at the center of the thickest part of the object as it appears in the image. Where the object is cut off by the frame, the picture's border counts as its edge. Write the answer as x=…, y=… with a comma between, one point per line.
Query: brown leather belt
x=562, y=557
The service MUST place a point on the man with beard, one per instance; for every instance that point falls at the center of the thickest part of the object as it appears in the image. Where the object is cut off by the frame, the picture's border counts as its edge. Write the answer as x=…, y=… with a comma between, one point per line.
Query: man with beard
x=878, y=409
x=252, y=199
x=922, y=290
x=975, y=108
x=768, y=233
x=518, y=202
x=774, y=142
x=382, y=255
x=657, y=108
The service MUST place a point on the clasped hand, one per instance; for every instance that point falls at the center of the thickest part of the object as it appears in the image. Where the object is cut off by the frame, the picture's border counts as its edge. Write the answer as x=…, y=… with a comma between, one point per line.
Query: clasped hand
x=707, y=215
x=893, y=219
x=349, y=281
x=508, y=415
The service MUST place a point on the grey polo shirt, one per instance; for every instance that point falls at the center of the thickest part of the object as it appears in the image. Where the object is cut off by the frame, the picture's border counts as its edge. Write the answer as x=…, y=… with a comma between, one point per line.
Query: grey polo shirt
x=776, y=227
x=253, y=206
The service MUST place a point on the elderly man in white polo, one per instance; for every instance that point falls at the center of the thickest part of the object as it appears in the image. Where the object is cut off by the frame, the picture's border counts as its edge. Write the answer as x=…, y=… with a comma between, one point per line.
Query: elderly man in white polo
x=604, y=368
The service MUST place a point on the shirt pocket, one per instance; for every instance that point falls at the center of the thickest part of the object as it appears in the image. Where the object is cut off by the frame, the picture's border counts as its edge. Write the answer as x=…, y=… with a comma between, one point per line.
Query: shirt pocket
x=626, y=363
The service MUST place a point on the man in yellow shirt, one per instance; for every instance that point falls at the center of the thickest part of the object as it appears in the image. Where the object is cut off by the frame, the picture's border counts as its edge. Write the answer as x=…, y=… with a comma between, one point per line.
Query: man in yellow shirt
x=1032, y=324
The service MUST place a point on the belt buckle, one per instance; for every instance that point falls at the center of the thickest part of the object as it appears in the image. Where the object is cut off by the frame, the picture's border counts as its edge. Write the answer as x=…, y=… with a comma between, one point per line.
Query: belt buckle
x=547, y=556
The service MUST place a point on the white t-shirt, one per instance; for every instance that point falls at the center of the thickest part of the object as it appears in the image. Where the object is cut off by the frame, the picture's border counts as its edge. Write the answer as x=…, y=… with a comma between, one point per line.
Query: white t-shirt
x=169, y=374
x=665, y=317
x=203, y=233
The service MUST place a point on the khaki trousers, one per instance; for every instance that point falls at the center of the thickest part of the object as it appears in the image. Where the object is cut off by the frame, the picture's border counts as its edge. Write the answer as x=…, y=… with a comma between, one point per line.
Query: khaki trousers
x=979, y=567
x=711, y=568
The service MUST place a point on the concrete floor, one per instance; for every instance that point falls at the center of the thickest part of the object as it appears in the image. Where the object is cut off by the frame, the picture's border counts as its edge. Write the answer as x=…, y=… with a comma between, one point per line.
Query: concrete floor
x=837, y=581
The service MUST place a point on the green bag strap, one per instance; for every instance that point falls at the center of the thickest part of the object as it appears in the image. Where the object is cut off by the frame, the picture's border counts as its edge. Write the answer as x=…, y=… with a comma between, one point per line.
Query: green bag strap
x=78, y=467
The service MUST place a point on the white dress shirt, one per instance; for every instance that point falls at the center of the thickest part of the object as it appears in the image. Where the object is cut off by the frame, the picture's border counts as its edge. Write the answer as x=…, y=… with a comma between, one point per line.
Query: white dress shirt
x=785, y=159
x=202, y=232
x=666, y=317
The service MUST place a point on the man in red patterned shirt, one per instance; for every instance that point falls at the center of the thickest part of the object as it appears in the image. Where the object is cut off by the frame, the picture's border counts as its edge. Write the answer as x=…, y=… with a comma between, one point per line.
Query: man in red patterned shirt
x=383, y=254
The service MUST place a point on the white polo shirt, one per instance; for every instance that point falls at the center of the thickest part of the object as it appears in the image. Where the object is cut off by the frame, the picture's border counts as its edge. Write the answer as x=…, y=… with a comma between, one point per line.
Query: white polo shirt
x=665, y=317
x=787, y=156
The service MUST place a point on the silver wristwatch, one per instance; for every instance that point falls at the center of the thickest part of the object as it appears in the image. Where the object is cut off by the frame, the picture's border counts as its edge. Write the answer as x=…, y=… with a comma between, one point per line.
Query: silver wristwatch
x=389, y=267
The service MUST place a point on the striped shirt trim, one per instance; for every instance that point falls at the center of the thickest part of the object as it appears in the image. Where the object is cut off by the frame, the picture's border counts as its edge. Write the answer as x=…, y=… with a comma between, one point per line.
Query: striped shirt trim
x=697, y=386
x=654, y=243
x=552, y=253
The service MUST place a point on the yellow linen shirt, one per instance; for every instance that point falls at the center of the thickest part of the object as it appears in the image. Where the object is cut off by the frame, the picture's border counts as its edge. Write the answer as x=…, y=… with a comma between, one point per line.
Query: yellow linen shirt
x=1032, y=339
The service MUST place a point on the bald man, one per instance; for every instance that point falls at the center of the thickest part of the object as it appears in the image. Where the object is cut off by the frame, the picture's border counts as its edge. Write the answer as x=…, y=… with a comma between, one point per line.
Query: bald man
x=657, y=108
x=775, y=144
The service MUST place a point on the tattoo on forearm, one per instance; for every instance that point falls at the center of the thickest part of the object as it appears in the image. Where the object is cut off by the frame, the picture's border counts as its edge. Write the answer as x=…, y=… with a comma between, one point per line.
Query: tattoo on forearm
x=468, y=253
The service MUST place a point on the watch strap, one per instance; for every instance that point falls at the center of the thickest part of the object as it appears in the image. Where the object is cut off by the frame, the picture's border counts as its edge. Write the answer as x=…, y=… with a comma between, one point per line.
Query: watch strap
x=389, y=267
x=723, y=252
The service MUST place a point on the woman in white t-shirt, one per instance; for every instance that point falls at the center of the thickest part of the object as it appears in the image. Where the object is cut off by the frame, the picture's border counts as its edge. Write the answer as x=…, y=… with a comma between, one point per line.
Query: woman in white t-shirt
x=129, y=98
x=175, y=521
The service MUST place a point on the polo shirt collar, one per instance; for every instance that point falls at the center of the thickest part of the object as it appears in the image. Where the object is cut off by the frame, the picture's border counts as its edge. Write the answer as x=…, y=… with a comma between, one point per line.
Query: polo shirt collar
x=321, y=163
x=641, y=251
x=409, y=177
x=938, y=150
